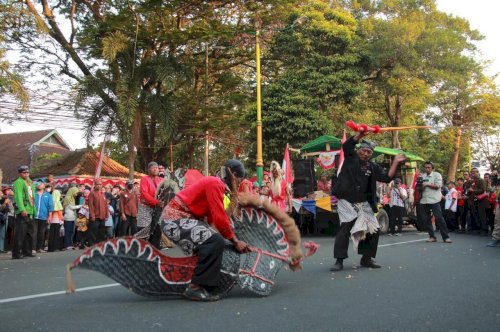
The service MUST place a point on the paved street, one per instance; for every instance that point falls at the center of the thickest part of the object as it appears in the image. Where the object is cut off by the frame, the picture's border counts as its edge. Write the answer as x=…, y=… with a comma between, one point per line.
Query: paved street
x=421, y=287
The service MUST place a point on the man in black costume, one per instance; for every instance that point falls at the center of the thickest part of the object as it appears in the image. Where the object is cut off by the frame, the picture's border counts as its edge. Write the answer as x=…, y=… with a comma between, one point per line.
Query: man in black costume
x=355, y=188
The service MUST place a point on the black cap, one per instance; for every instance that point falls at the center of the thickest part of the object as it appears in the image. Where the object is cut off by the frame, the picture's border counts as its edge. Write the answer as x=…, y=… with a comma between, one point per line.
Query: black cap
x=23, y=168
x=130, y=182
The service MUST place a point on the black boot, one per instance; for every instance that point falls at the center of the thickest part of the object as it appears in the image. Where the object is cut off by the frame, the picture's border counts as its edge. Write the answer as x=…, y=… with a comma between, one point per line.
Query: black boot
x=338, y=266
x=367, y=261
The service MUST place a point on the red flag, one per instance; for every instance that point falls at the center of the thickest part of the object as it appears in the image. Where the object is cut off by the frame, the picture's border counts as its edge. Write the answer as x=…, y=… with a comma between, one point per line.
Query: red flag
x=237, y=152
x=341, y=158
x=286, y=166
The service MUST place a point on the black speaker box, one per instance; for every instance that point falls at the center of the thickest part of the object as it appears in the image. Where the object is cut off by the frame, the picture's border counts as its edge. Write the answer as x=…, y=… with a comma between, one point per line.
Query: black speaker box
x=304, y=177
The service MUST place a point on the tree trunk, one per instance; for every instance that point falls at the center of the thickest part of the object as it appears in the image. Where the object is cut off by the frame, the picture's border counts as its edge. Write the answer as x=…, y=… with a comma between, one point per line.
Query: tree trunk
x=453, y=164
x=134, y=143
x=396, y=122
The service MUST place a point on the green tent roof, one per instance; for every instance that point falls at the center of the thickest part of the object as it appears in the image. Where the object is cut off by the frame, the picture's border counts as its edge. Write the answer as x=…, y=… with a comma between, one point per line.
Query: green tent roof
x=393, y=152
x=319, y=144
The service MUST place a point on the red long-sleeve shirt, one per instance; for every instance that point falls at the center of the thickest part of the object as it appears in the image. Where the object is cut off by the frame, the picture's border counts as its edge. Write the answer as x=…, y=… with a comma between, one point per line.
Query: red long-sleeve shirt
x=98, y=208
x=205, y=198
x=148, y=190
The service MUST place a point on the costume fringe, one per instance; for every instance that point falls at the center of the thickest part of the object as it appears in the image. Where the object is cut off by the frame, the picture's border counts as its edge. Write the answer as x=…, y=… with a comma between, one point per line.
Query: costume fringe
x=70, y=286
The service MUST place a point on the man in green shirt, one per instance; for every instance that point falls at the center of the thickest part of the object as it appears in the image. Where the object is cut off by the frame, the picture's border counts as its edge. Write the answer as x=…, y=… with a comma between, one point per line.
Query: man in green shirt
x=24, y=199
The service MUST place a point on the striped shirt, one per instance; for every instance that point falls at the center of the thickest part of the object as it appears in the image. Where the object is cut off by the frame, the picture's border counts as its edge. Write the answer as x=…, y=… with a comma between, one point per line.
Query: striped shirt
x=396, y=199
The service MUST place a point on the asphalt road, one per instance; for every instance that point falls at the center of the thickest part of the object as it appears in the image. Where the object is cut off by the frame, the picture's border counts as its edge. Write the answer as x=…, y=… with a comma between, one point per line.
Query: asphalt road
x=421, y=287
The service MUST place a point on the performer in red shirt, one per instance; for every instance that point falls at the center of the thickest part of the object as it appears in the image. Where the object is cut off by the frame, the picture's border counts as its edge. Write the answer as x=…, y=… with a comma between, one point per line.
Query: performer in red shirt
x=150, y=208
x=183, y=222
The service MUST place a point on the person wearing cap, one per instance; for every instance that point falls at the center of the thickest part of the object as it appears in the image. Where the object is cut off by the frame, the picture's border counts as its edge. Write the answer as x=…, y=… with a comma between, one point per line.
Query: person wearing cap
x=397, y=197
x=149, y=209
x=188, y=219
x=24, y=198
x=98, y=213
x=129, y=202
x=356, y=191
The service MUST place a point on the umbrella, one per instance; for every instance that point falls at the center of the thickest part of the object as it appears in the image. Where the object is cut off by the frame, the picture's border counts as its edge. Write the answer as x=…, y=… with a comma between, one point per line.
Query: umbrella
x=319, y=144
x=393, y=152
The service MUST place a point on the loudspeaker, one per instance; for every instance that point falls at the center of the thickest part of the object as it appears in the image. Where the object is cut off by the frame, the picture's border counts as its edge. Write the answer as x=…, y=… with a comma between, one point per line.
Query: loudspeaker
x=304, y=177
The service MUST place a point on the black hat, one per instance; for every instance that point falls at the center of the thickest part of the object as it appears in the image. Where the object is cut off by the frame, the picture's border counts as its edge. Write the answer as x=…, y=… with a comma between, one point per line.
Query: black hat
x=23, y=168
x=367, y=145
x=236, y=167
x=130, y=182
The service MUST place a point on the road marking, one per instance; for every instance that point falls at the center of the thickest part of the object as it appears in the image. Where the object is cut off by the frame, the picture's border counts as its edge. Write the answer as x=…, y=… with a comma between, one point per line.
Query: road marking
x=393, y=244
x=29, y=297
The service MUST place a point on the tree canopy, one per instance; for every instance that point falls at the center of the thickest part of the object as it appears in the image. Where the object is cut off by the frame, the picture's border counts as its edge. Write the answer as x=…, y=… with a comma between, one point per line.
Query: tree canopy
x=159, y=74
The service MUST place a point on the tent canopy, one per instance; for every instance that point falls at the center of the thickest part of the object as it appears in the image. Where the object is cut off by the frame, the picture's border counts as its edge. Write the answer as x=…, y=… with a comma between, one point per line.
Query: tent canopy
x=393, y=152
x=319, y=144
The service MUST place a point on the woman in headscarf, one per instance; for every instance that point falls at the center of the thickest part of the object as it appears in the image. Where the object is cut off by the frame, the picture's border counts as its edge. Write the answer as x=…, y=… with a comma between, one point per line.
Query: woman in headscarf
x=55, y=221
x=70, y=216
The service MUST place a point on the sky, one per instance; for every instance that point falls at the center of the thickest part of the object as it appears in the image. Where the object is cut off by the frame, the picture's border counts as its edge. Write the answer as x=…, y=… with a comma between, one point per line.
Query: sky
x=482, y=15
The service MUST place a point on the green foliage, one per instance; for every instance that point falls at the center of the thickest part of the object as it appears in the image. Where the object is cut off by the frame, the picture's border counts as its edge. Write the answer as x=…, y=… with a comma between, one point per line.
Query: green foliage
x=315, y=76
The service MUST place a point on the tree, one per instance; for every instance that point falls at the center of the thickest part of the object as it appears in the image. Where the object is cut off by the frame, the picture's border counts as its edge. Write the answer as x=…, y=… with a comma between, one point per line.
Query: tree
x=313, y=76
x=411, y=49
x=10, y=82
x=137, y=67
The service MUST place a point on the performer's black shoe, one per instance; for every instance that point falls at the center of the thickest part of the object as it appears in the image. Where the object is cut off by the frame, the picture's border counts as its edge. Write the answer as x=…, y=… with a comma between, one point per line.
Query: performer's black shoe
x=338, y=266
x=368, y=262
x=199, y=294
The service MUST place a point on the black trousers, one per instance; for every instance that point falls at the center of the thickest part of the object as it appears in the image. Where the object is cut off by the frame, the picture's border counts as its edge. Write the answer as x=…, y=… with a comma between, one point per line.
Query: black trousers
x=24, y=233
x=396, y=219
x=39, y=241
x=97, y=231
x=480, y=208
x=207, y=269
x=55, y=239
x=127, y=226
x=367, y=247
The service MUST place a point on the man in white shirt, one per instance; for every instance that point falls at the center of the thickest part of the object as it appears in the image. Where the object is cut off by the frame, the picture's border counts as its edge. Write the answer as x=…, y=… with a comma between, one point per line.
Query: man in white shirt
x=397, y=198
x=431, y=199
x=450, y=206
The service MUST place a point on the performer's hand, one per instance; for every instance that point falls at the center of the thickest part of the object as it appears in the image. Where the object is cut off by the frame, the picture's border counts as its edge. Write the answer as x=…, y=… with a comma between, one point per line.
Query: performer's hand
x=400, y=158
x=241, y=246
x=124, y=217
x=24, y=213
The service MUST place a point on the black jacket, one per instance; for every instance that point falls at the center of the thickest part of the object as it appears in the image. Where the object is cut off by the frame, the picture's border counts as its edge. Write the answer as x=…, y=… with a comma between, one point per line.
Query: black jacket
x=345, y=185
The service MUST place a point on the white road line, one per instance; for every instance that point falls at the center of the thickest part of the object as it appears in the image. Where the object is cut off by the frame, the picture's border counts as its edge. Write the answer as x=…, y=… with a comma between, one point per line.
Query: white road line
x=29, y=297
x=393, y=244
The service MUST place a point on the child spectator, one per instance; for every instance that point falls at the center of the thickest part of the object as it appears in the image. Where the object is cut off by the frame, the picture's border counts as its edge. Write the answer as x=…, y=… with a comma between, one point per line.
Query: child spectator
x=450, y=207
x=81, y=230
